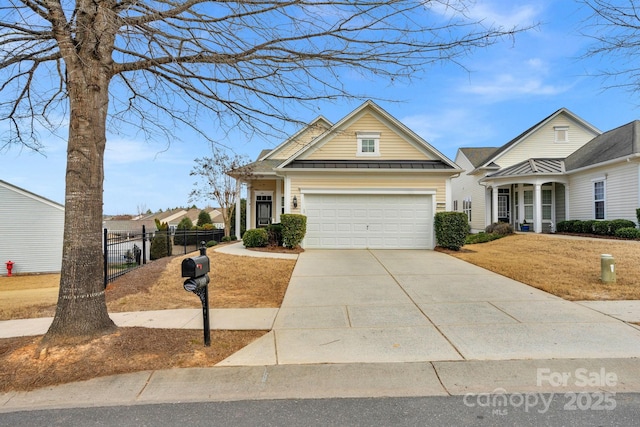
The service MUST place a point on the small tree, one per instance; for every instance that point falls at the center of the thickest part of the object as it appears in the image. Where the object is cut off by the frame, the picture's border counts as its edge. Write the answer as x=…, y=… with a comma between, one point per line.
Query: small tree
x=451, y=229
x=204, y=218
x=214, y=183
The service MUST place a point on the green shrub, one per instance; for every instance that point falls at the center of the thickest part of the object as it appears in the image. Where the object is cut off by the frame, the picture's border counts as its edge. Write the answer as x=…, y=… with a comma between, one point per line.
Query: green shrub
x=628, y=233
x=587, y=227
x=211, y=243
x=451, y=229
x=564, y=226
x=617, y=224
x=255, y=238
x=182, y=231
x=499, y=228
x=294, y=228
x=638, y=215
x=473, y=239
x=602, y=228
x=227, y=239
x=233, y=238
x=160, y=245
x=275, y=234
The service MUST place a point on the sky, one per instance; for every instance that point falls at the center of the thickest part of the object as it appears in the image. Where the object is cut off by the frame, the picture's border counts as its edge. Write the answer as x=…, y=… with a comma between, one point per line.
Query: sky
x=500, y=92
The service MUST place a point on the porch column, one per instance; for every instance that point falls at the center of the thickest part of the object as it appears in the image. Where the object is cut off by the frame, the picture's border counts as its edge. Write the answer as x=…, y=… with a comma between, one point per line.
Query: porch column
x=521, y=203
x=567, y=214
x=494, y=204
x=278, y=203
x=248, y=210
x=537, y=203
x=238, y=208
x=287, y=195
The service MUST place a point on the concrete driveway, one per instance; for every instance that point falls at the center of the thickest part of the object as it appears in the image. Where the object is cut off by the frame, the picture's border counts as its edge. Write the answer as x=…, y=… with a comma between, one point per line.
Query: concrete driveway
x=370, y=306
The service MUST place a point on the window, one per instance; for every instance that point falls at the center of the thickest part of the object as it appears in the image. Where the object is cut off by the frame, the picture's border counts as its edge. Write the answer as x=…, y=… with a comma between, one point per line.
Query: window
x=562, y=133
x=466, y=207
x=598, y=199
x=368, y=144
x=455, y=205
x=547, y=201
x=528, y=205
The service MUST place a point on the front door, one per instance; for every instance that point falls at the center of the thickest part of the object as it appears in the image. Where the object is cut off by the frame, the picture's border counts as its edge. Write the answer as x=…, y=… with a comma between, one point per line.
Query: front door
x=263, y=211
x=503, y=208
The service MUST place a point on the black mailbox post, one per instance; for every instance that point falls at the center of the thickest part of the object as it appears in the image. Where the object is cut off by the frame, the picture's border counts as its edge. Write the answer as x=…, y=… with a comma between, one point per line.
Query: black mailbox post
x=197, y=269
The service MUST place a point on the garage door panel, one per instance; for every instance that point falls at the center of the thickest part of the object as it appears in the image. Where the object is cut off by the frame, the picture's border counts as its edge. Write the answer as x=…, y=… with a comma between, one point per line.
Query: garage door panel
x=369, y=221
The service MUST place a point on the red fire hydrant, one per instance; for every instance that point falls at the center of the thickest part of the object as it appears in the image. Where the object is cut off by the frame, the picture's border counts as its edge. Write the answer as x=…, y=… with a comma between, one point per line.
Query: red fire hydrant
x=9, y=268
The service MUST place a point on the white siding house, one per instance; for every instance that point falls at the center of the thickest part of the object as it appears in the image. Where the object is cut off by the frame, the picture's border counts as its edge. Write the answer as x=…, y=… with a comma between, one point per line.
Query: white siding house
x=522, y=182
x=609, y=163
x=31, y=230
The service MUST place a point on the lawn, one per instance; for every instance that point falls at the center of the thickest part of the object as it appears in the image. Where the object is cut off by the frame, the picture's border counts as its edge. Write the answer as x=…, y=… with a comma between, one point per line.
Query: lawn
x=236, y=282
x=564, y=266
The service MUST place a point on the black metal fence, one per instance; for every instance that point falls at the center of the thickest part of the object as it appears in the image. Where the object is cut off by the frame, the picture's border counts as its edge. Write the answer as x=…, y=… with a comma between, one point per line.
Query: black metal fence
x=189, y=240
x=124, y=250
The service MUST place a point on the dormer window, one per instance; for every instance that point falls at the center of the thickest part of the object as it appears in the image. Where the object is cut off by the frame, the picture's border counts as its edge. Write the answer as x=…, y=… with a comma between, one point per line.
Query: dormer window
x=562, y=133
x=368, y=144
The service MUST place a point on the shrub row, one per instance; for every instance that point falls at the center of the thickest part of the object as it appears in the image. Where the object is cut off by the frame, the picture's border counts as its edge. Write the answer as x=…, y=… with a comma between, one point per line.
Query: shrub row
x=288, y=233
x=501, y=228
x=482, y=238
x=599, y=227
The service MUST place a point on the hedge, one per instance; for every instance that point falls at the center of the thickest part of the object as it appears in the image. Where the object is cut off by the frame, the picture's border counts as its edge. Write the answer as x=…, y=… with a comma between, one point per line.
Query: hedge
x=294, y=228
x=451, y=229
x=628, y=233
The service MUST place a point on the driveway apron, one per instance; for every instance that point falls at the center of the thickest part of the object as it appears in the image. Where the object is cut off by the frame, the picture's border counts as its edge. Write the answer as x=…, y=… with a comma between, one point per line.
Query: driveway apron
x=371, y=306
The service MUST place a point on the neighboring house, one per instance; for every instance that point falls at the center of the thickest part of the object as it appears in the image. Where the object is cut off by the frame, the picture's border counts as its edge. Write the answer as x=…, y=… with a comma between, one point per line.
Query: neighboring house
x=367, y=181
x=31, y=230
x=604, y=176
x=561, y=168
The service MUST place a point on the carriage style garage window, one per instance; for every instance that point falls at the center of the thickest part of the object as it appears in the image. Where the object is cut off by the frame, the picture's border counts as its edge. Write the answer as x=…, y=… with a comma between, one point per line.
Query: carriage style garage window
x=368, y=144
x=598, y=199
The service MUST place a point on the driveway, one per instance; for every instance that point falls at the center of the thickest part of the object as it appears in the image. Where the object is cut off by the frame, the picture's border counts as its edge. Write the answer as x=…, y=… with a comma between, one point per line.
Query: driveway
x=369, y=306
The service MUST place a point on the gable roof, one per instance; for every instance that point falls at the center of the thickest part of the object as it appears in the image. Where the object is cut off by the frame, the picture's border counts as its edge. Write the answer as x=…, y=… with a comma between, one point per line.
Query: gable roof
x=509, y=145
x=317, y=122
x=370, y=106
x=477, y=155
x=611, y=145
x=31, y=195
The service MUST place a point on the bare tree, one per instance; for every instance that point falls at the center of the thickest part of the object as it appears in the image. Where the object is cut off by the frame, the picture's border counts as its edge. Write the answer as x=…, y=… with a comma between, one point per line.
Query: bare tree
x=157, y=64
x=614, y=28
x=214, y=184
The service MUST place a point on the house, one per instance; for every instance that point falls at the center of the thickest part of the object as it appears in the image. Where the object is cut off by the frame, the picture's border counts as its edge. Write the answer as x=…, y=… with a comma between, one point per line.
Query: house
x=604, y=176
x=526, y=179
x=366, y=181
x=31, y=231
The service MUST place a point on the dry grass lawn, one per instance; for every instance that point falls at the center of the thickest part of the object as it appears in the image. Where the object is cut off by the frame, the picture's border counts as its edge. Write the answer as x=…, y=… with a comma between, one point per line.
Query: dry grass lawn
x=235, y=282
x=566, y=267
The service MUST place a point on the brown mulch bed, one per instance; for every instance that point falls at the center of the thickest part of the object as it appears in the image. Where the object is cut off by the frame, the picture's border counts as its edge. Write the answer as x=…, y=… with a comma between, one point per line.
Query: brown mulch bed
x=24, y=367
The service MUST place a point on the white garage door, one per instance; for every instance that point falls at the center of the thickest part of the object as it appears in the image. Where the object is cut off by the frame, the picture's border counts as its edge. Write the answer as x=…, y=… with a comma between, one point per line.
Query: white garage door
x=359, y=221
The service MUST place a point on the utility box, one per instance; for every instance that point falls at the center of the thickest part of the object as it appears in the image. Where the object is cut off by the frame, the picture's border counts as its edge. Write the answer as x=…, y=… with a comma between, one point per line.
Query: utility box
x=607, y=269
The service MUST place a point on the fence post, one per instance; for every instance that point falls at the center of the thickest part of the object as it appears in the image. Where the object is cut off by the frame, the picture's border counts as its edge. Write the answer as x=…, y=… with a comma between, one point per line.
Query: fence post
x=144, y=244
x=106, y=257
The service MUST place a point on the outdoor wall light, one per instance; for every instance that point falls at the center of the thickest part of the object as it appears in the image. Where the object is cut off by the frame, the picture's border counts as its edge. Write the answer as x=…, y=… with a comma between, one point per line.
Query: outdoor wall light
x=295, y=202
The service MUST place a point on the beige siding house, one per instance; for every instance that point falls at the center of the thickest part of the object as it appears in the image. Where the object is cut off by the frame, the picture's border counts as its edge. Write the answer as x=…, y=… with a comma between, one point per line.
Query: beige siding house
x=523, y=182
x=366, y=181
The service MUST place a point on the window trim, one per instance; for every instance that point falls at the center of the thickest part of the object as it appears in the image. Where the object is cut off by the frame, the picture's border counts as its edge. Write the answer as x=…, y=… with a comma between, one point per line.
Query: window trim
x=557, y=130
x=375, y=136
x=603, y=200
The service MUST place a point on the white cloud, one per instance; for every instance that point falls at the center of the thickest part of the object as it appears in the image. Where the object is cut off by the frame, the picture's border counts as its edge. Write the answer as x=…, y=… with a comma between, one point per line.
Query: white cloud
x=507, y=86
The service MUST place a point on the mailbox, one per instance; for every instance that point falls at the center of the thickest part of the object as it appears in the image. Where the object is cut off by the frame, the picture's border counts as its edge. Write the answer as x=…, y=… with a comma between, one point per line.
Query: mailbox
x=196, y=283
x=196, y=266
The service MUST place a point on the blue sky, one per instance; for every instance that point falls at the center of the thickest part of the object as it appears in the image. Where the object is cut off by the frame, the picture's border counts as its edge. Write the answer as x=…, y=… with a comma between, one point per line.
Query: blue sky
x=505, y=89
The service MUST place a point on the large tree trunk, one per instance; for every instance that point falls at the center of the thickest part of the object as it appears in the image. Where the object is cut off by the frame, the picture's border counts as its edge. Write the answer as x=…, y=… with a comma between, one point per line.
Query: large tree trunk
x=82, y=310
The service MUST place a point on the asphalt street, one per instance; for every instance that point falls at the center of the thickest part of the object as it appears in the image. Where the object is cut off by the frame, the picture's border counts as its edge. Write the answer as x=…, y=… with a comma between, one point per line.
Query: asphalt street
x=583, y=409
